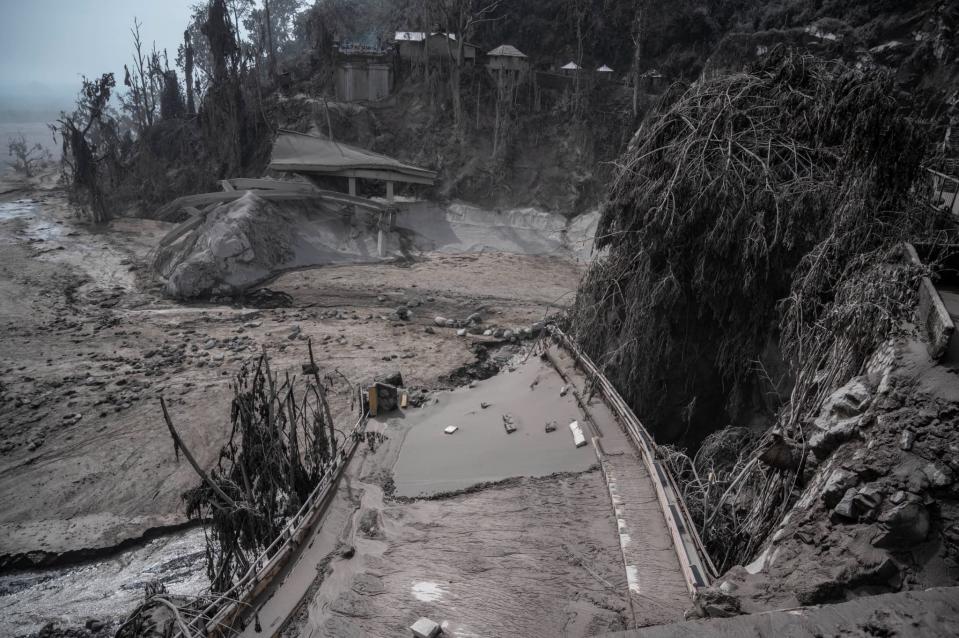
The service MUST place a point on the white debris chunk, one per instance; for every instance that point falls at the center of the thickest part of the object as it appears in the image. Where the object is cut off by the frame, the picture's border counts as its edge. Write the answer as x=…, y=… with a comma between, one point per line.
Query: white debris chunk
x=425, y=628
x=449, y=429
x=579, y=439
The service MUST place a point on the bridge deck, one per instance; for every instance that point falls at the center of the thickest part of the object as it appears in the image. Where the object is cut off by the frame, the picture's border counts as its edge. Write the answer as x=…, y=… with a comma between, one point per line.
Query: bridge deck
x=658, y=591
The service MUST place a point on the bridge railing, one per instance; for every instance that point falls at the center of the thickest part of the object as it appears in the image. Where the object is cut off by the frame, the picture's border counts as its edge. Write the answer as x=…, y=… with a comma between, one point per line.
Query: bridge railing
x=943, y=190
x=698, y=569
x=218, y=617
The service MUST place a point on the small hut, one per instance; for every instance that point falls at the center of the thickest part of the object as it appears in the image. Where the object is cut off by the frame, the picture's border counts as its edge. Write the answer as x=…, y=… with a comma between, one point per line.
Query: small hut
x=570, y=68
x=506, y=57
x=604, y=69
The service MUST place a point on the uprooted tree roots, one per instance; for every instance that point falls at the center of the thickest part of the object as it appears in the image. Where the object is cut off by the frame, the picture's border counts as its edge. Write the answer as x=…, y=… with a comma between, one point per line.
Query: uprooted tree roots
x=758, y=209
x=281, y=443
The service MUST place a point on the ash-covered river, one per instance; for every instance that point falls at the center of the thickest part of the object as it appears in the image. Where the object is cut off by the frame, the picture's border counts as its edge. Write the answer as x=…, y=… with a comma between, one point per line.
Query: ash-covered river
x=529, y=397
x=106, y=590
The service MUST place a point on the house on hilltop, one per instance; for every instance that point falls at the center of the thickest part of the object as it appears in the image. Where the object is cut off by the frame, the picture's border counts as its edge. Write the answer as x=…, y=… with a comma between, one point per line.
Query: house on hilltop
x=506, y=57
x=413, y=46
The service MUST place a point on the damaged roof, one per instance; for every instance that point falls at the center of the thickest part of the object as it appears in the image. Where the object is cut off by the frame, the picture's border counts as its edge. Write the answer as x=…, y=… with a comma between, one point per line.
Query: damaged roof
x=302, y=153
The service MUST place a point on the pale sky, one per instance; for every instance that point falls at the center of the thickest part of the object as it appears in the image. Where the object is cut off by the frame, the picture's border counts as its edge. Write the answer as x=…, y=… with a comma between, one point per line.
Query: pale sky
x=52, y=43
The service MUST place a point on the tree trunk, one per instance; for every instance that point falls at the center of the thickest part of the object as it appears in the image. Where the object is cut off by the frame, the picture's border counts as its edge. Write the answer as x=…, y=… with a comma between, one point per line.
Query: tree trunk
x=188, y=72
x=269, y=39
x=639, y=38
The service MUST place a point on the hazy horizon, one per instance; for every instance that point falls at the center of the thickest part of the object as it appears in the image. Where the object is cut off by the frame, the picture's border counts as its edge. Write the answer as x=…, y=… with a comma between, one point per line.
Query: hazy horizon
x=46, y=46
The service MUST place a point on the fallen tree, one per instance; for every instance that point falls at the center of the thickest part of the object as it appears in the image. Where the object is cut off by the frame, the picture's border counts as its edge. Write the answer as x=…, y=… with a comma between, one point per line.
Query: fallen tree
x=259, y=501
x=757, y=217
x=281, y=443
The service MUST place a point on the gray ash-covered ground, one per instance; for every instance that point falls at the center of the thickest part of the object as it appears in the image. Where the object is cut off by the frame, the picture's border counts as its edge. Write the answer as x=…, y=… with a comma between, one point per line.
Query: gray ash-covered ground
x=90, y=343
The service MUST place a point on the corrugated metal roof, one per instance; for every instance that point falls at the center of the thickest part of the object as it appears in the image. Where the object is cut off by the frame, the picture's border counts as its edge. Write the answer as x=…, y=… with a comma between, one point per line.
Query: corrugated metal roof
x=507, y=50
x=410, y=36
x=604, y=69
x=572, y=66
x=418, y=36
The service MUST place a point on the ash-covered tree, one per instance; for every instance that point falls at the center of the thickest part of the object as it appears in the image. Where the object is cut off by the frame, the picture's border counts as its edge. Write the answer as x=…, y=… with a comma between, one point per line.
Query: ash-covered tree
x=185, y=54
x=91, y=148
x=270, y=29
x=26, y=158
x=460, y=18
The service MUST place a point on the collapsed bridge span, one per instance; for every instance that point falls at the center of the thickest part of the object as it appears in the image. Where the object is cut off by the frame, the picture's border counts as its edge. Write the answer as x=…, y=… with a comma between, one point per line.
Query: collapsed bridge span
x=662, y=564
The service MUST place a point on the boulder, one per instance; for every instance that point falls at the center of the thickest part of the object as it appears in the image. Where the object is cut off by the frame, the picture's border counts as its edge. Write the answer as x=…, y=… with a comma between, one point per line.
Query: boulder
x=712, y=602
x=850, y=400
x=939, y=476
x=830, y=433
x=844, y=509
x=425, y=628
x=867, y=500
x=906, y=439
x=836, y=485
x=905, y=523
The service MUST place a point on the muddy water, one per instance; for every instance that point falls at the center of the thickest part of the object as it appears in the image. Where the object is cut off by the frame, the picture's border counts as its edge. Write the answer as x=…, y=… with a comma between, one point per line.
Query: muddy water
x=34, y=228
x=432, y=461
x=106, y=590
x=57, y=241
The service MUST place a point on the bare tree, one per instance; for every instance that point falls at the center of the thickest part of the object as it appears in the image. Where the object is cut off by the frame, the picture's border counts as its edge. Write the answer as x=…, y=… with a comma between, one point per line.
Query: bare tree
x=270, y=43
x=185, y=56
x=461, y=17
x=26, y=158
x=579, y=10
x=141, y=100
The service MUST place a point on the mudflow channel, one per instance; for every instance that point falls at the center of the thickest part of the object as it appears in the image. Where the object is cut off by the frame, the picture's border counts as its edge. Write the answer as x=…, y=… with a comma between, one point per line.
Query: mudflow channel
x=491, y=533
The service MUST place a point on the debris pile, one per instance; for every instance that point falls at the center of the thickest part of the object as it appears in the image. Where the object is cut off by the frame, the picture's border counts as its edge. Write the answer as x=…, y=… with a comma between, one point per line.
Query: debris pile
x=736, y=214
x=754, y=263
x=879, y=510
x=225, y=251
x=282, y=442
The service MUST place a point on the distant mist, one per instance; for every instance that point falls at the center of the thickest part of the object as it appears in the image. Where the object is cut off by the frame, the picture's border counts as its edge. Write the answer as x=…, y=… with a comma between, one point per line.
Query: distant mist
x=35, y=102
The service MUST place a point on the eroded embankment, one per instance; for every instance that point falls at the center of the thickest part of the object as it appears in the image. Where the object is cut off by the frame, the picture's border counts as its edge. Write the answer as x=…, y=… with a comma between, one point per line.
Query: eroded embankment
x=250, y=240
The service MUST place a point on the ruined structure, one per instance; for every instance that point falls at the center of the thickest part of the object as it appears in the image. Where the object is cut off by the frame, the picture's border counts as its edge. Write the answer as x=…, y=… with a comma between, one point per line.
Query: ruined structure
x=363, y=74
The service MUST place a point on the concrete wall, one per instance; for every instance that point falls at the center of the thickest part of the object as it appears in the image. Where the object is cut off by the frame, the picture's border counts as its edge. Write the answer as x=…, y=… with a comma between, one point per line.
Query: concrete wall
x=363, y=81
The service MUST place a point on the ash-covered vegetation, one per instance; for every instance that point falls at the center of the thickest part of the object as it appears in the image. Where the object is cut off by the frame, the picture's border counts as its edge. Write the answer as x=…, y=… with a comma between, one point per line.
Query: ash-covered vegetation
x=754, y=261
x=178, y=121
